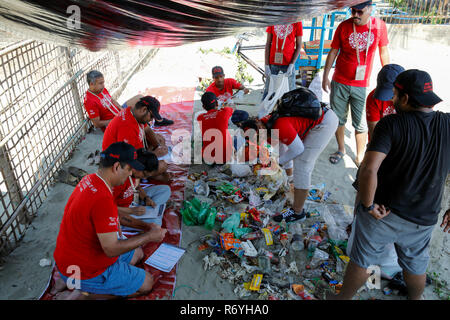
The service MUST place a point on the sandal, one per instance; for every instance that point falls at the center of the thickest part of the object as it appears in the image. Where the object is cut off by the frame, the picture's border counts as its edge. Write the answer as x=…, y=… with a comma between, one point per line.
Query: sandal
x=67, y=178
x=77, y=172
x=336, y=157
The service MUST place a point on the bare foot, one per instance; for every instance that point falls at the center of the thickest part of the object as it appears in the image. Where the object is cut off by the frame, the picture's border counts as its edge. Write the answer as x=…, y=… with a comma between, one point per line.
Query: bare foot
x=69, y=295
x=59, y=286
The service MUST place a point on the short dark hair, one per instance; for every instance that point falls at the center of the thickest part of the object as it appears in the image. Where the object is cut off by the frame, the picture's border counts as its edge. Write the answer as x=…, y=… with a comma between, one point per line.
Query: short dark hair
x=148, y=102
x=93, y=75
x=148, y=159
x=108, y=162
x=209, y=100
x=411, y=101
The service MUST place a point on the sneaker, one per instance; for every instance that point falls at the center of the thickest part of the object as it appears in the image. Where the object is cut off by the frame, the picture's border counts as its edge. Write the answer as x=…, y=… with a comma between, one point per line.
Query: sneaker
x=289, y=215
x=163, y=122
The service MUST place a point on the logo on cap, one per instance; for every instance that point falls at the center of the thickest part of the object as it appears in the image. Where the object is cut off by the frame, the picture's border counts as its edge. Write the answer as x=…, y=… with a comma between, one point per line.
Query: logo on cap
x=428, y=86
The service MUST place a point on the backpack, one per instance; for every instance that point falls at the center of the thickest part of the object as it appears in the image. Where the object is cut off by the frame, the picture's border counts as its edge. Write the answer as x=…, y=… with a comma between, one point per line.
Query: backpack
x=300, y=102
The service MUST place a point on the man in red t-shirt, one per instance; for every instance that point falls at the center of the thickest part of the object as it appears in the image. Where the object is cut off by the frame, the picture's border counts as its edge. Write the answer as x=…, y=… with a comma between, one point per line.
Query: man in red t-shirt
x=88, y=248
x=223, y=87
x=130, y=126
x=283, y=46
x=216, y=139
x=379, y=102
x=134, y=215
x=98, y=103
x=355, y=40
x=102, y=108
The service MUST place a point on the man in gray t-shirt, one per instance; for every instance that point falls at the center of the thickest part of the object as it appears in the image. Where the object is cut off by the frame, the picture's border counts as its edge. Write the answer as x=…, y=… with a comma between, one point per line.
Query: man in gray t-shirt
x=401, y=183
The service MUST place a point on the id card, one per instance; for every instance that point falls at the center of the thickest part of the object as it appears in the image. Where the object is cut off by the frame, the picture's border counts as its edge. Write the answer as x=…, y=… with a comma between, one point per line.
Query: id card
x=278, y=58
x=360, y=72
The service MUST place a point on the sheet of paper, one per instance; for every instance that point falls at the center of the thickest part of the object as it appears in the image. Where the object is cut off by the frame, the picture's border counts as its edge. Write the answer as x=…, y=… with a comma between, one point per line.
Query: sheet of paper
x=165, y=257
x=151, y=213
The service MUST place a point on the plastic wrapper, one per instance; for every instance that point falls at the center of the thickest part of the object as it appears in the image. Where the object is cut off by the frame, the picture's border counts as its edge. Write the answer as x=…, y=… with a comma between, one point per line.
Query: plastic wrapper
x=99, y=25
x=318, y=257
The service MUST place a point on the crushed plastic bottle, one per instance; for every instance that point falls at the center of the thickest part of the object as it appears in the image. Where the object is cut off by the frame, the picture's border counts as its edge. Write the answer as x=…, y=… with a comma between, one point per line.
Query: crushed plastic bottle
x=297, y=243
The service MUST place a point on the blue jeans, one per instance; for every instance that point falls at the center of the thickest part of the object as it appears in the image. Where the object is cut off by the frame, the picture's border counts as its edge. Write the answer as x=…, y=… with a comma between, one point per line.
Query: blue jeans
x=275, y=69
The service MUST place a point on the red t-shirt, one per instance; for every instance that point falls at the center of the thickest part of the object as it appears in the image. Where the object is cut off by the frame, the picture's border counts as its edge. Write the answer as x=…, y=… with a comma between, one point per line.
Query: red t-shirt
x=290, y=127
x=345, y=41
x=216, y=119
x=100, y=105
x=227, y=91
x=280, y=32
x=377, y=109
x=124, y=127
x=124, y=194
x=89, y=210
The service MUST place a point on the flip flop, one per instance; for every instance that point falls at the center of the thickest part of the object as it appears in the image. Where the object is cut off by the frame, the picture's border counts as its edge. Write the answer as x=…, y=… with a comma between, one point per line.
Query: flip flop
x=77, y=172
x=97, y=157
x=67, y=178
x=90, y=159
x=336, y=157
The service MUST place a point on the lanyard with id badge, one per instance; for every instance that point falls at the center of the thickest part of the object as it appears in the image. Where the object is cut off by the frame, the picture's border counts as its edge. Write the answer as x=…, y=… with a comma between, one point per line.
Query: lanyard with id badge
x=361, y=69
x=278, y=58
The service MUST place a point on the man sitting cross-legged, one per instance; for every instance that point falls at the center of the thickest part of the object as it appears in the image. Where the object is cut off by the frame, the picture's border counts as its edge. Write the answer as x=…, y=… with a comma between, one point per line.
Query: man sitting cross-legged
x=89, y=249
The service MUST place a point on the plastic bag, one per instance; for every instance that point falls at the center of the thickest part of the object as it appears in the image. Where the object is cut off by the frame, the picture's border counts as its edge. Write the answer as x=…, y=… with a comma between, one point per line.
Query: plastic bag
x=278, y=85
x=232, y=222
x=318, y=257
x=335, y=232
x=240, y=170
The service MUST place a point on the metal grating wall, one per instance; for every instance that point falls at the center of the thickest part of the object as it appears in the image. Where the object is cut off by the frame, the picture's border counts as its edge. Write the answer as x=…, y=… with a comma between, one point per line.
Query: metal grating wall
x=42, y=118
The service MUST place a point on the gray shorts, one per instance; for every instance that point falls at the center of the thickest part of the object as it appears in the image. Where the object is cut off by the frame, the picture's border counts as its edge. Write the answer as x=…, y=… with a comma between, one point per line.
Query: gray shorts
x=341, y=96
x=410, y=240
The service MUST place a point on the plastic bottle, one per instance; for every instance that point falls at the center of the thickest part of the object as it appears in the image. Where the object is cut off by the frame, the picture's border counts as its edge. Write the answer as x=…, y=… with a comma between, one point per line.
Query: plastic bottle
x=312, y=230
x=297, y=243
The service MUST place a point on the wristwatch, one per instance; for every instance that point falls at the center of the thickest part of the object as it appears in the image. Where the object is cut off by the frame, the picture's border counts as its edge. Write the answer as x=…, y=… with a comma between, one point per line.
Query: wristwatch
x=367, y=209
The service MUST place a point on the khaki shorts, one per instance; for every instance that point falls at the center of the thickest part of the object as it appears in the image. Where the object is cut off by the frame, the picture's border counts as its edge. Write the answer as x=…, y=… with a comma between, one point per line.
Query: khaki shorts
x=341, y=96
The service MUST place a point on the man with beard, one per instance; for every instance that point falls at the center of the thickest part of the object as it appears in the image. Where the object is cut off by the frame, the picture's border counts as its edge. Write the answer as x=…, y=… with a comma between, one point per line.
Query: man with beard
x=131, y=126
x=356, y=40
x=401, y=183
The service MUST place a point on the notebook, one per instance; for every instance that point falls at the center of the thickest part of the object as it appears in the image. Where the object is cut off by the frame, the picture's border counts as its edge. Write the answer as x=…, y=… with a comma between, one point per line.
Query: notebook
x=165, y=257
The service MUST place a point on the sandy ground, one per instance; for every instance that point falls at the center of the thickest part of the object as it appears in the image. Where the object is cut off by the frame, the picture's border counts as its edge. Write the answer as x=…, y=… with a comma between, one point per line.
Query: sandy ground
x=22, y=277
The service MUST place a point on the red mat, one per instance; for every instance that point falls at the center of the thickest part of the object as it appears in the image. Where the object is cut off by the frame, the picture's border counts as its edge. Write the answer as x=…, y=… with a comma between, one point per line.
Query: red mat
x=176, y=104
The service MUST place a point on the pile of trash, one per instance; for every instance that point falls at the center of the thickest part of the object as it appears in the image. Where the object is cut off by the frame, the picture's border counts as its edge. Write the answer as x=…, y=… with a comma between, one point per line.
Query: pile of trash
x=264, y=259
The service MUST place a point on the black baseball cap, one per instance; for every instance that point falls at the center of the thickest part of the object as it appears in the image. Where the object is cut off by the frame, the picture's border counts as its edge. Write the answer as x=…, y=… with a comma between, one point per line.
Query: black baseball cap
x=217, y=71
x=123, y=152
x=419, y=87
x=362, y=5
x=385, y=81
x=153, y=105
x=209, y=100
